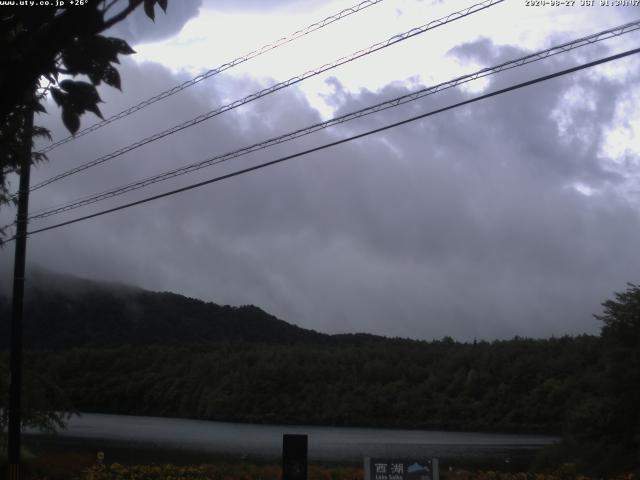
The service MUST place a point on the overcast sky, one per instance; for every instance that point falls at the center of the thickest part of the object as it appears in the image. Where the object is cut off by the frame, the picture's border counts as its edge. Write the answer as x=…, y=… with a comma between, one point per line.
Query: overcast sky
x=517, y=215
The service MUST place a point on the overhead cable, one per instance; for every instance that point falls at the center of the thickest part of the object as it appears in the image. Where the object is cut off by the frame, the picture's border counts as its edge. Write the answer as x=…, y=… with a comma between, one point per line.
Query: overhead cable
x=518, y=62
x=214, y=71
x=339, y=142
x=279, y=86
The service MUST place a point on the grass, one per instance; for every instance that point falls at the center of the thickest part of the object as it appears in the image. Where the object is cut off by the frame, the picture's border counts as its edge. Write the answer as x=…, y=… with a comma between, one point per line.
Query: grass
x=82, y=467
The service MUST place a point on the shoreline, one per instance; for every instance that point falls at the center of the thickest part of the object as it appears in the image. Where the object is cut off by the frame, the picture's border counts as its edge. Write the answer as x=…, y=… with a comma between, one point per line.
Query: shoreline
x=135, y=440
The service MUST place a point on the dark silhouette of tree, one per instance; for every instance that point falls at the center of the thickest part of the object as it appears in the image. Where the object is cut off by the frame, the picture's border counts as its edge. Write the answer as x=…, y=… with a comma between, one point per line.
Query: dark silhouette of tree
x=621, y=371
x=37, y=46
x=46, y=405
x=602, y=426
x=621, y=318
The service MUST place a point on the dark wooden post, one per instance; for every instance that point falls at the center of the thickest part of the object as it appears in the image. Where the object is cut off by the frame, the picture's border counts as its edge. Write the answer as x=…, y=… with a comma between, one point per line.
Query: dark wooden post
x=294, y=457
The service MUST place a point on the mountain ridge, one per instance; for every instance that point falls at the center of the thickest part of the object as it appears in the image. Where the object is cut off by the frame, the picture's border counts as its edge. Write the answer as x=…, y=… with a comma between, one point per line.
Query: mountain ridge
x=65, y=311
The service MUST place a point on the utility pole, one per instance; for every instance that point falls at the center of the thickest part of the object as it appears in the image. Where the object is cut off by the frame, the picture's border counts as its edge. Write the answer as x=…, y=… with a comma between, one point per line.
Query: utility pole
x=15, y=362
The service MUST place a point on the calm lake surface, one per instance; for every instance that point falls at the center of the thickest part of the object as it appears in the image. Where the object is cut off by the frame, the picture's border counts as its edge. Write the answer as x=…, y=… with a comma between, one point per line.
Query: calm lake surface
x=196, y=438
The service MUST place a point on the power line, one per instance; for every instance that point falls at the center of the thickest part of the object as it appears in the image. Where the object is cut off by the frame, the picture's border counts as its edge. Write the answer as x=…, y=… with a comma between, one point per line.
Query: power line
x=339, y=142
x=524, y=60
x=214, y=71
x=292, y=81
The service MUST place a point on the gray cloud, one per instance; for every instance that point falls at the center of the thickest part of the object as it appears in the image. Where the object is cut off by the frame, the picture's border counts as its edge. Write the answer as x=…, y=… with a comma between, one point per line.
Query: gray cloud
x=138, y=28
x=257, y=5
x=463, y=224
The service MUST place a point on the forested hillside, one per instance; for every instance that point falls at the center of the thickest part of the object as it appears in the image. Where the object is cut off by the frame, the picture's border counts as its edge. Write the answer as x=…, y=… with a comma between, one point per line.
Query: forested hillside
x=63, y=312
x=120, y=349
x=516, y=385
x=115, y=349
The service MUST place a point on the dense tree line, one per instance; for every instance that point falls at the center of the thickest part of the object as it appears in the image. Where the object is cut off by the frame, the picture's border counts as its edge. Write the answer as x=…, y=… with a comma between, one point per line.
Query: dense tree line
x=525, y=385
x=114, y=349
x=166, y=354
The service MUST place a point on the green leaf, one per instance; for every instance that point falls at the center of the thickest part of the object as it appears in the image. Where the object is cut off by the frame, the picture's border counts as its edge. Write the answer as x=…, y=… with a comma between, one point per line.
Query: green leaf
x=58, y=96
x=81, y=97
x=121, y=46
x=81, y=93
x=102, y=49
x=42, y=132
x=163, y=5
x=39, y=157
x=95, y=74
x=70, y=119
x=93, y=108
x=68, y=85
x=111, y=77
x=75, y=61
x=38, y=107
x=93, y=56
x=81, y=54
x=148, y=9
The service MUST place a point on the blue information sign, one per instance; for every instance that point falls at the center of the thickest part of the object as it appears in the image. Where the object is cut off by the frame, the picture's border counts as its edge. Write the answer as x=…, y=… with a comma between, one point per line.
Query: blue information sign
x=401, y=469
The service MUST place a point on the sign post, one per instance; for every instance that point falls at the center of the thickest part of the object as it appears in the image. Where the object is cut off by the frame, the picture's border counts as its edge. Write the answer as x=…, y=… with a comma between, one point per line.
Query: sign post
x=294, y=457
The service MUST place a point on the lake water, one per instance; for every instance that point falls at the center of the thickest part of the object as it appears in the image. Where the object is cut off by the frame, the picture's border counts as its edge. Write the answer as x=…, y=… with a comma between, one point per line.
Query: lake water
x=196, y=438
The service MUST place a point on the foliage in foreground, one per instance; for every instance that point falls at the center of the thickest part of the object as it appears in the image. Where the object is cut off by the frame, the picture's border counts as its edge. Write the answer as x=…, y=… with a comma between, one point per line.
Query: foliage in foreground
x=39, y=393
x=269, y=472
x=43, y=44
x=565, y=472
x=82, y=466
x=212, y=472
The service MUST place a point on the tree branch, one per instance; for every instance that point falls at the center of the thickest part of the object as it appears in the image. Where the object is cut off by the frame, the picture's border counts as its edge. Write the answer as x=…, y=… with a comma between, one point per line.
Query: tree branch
x=107, y=7
x=122, y=15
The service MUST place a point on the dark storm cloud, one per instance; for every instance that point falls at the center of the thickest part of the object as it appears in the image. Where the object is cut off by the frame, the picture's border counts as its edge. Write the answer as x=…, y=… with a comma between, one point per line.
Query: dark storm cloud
x=138, y=28
x=484, y=51
x=463, y=224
